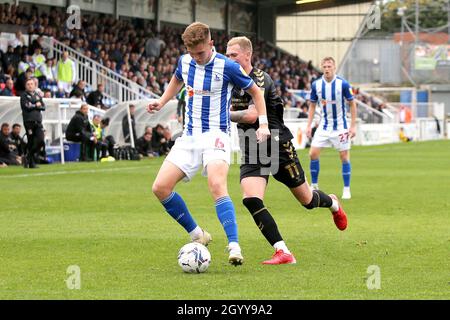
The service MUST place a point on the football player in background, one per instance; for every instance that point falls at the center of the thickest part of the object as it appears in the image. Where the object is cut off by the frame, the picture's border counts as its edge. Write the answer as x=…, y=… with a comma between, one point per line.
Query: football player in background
x=334, y=129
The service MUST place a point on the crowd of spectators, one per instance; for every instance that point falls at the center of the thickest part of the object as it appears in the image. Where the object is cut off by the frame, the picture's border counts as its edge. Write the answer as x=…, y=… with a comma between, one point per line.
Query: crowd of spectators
x=132, y=48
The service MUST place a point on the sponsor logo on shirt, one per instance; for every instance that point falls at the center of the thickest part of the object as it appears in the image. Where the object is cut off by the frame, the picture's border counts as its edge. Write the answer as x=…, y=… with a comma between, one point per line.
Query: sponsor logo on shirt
x=191, y=92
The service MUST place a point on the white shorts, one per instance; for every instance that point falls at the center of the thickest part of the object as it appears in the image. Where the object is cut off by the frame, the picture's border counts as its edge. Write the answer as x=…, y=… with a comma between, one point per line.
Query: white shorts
x=336, y=139
x=190, y=152
x=65, y=86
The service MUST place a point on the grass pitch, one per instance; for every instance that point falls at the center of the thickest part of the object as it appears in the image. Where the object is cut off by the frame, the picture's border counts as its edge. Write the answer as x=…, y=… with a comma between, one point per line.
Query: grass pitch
x=103, y=218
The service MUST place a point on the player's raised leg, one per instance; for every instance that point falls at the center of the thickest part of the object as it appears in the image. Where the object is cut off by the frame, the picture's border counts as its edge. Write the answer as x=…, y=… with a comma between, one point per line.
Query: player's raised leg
x=346, y=173
x=253, y=189
x=217, y=182
x=314, y=167
x=168, y=176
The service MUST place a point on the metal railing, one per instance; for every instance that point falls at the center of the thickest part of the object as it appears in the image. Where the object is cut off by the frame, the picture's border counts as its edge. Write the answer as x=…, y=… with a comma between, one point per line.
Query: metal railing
x=116, y=87
x=369, y=114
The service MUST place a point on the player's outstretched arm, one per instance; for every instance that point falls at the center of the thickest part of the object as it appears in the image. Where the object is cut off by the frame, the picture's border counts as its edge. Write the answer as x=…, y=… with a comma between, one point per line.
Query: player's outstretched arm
x=312, y=110
x=172, y=89
x=352, y=131
x=263, y=132
x=249, y=115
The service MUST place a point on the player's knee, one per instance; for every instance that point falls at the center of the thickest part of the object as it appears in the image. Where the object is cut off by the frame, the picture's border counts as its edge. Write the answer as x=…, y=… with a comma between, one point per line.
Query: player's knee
x=160, y=190
x=253, y=204
x=217, y=187
x=313, y=155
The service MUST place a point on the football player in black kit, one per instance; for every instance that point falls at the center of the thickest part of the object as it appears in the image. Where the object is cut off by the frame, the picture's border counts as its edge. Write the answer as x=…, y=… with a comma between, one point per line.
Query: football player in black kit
x=282, y=162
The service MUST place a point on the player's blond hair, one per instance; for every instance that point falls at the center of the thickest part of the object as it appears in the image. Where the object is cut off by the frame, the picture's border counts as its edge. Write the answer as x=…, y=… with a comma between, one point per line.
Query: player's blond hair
x=328, y=59
x=243, y=42
x=196, y=33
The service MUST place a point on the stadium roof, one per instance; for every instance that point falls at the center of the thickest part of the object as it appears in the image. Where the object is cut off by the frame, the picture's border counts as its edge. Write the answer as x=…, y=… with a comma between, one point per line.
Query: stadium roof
x=292, y=6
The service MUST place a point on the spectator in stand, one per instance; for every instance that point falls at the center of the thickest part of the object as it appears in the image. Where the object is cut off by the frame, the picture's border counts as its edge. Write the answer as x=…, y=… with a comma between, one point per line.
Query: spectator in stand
x=49, y=74
x=78, y=90
x=47, y=93
x=79, y=130
x=95, y=98
x=107, y=140
x=154, y=45
x=126, y=126
x=66, y=73
x=9, y=89
x=9, y=58
x=144, y=146
x=8, y=151
x=405, y=114
x=21, y=79
x=159, y=140
x=18, y=41
x=39, y=63
x=304, y=111
x=17, y=139
x=25, y=63
x=97, y=130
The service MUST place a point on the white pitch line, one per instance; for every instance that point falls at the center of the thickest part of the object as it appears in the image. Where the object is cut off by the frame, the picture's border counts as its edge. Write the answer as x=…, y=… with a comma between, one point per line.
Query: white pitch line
x=55, y=173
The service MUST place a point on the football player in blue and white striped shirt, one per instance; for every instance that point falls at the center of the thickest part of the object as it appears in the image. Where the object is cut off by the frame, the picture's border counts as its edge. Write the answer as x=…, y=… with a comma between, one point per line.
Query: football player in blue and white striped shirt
x=209, y=78
x=334, y=130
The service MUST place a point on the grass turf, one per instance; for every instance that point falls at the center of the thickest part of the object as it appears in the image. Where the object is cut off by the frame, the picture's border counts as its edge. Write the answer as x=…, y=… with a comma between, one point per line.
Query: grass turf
x=103, y=218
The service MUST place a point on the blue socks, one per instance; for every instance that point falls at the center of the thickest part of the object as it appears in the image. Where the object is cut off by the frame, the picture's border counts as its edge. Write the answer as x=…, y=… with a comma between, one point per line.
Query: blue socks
x=314, y=167
x=227, y=217
x=346, y=172
x=176, y=207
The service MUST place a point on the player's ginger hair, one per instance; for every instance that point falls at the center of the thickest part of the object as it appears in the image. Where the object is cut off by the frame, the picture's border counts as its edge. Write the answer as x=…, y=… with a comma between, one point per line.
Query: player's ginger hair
x=243, y=42
x=196, y=33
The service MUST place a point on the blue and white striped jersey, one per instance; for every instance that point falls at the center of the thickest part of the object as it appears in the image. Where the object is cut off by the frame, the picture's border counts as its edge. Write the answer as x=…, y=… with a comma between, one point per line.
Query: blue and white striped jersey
x=208, y=89
x=330, y=96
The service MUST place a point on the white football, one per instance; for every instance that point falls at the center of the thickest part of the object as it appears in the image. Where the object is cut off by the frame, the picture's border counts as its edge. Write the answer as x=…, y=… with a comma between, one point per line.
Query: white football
x=194, y=258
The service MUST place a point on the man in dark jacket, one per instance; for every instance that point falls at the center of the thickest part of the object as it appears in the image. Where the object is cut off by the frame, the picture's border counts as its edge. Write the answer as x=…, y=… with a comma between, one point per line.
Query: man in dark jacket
x=32, y=105
x=159, y=141
x=144, y=145
x=17, y=139
x=126, y=127
x=95, y=98
x=8, y=150
x=79, y=130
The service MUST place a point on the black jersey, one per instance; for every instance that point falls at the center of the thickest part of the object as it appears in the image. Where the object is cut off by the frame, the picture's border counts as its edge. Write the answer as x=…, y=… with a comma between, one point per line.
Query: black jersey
x=274, y=105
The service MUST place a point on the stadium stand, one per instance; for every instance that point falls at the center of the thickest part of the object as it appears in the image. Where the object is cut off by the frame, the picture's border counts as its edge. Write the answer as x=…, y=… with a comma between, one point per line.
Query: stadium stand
x=134, y=49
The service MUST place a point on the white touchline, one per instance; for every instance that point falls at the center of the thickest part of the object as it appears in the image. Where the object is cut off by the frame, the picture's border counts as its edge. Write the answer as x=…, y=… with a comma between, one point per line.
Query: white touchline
x=54, y=173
